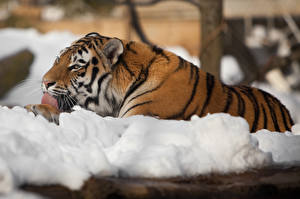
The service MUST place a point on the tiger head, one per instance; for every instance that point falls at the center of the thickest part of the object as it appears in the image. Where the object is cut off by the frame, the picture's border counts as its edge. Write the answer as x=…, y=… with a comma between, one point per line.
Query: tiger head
x=82, y=71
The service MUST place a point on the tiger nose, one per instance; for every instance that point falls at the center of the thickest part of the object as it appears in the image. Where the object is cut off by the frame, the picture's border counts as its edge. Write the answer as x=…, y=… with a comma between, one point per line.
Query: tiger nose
x=48, y=84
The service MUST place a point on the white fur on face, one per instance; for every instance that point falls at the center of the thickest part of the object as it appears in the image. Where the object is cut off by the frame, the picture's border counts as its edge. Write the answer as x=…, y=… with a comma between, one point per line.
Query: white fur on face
x=88, y=90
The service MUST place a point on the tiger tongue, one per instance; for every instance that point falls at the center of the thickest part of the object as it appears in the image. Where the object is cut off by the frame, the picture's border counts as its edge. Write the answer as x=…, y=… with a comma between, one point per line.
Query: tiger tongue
x=48, y=99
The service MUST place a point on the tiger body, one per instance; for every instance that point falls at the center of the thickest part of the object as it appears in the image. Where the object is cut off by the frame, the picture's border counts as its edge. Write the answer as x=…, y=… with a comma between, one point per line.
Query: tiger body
x=120, y=78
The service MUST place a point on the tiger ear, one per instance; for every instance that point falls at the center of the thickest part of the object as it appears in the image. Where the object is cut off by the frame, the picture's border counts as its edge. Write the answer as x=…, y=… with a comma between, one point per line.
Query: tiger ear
x=113, y=49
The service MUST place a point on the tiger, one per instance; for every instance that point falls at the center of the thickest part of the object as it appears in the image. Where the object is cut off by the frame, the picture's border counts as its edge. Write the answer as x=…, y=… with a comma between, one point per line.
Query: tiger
x=121, y=78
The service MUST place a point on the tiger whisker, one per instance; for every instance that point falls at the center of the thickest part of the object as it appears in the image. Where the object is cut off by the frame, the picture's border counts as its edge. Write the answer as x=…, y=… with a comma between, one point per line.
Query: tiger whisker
x=67, y=102
x=73, y=101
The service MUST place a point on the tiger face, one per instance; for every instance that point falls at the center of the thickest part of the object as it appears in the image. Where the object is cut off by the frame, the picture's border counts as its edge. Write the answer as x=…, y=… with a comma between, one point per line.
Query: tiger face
x=82, y=72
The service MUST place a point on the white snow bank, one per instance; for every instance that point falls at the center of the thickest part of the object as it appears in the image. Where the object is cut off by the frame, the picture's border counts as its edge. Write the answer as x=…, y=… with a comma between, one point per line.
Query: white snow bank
x=35, y=151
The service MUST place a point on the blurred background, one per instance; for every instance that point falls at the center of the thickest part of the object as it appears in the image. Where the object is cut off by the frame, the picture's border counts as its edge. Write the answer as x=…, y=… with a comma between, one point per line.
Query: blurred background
x=250, y=42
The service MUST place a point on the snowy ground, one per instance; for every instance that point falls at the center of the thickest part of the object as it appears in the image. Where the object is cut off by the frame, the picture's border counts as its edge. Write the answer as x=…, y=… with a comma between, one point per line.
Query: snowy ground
x=35, y=151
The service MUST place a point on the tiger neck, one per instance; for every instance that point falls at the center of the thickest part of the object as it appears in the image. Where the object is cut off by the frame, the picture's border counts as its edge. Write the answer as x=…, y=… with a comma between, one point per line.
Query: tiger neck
x=131, y=70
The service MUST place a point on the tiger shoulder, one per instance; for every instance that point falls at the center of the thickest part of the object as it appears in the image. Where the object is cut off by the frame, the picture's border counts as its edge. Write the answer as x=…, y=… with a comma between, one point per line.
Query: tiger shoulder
x=121, y=78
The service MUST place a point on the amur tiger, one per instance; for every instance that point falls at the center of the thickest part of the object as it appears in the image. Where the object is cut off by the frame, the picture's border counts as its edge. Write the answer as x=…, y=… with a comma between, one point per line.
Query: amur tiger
x=120, y=78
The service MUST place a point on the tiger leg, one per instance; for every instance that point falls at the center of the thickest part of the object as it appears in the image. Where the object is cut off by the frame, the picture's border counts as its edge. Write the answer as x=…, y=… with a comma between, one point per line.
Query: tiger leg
x=47, y=111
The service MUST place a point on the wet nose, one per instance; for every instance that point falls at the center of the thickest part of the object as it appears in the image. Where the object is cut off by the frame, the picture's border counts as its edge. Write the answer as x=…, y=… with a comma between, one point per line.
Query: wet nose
x=48, y=84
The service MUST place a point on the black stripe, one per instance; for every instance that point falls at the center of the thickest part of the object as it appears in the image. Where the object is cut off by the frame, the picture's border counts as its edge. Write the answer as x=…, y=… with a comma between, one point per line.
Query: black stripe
x=282, y=110
x=126, y=66
x=82, y=40
x=160, y=51
x=138, y=82
x=85, y=50
x=82, y=61
x=100, y=81
x=72, y=84
x=265, y=117
x=94, y=74
x=210, y=83
x=192, y=66
x=151, y=90
x=73, y=67
x=241, y=102
x=101, y=41
x=80, y=84
x=157, y=50
x=136, y=105
x=128, y=47
x=144, y=93
x=228, y=101
x=106, y=94
x=87, y=65
x=283, y=116
x=192, y=113
x=181, y=114
x=82, y=74
x=248, y=92
x=95, y=99
x=96, y=42
x=90, y=100
x=93, y=77
x=180, y=64
x=95, y=61
x=289, y=117
x=273, y=114
x=99, y=55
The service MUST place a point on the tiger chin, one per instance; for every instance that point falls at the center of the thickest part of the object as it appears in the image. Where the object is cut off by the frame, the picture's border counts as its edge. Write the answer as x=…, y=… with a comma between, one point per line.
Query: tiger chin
x=120, y=78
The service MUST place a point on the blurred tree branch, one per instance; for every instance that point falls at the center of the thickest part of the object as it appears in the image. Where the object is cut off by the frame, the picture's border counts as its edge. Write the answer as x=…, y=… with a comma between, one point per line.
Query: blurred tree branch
x=135, y=22
x=134, y=17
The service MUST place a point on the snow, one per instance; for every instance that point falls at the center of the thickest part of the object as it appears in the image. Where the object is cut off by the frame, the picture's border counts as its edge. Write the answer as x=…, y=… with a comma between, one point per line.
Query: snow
x=32, y=150
x=230, y=71
x=84, y=144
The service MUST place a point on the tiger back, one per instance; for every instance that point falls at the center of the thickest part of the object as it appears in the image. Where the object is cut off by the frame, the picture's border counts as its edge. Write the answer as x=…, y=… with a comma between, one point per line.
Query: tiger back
x=120, y=78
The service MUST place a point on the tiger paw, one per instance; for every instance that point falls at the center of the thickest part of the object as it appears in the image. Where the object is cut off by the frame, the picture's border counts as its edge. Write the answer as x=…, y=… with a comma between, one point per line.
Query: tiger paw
x=47, y=111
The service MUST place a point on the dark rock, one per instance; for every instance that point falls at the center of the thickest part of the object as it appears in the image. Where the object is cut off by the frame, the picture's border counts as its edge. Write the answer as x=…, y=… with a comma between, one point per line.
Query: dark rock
x=14, y=69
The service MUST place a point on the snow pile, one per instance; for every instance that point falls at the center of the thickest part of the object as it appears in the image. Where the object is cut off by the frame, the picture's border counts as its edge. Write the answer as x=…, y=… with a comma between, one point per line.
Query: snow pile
x=230, y=71
x=35, y=151
x=38, y=152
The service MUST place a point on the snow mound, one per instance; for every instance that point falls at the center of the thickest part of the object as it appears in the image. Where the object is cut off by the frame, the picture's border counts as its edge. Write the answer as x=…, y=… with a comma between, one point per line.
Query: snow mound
x=38, y=152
